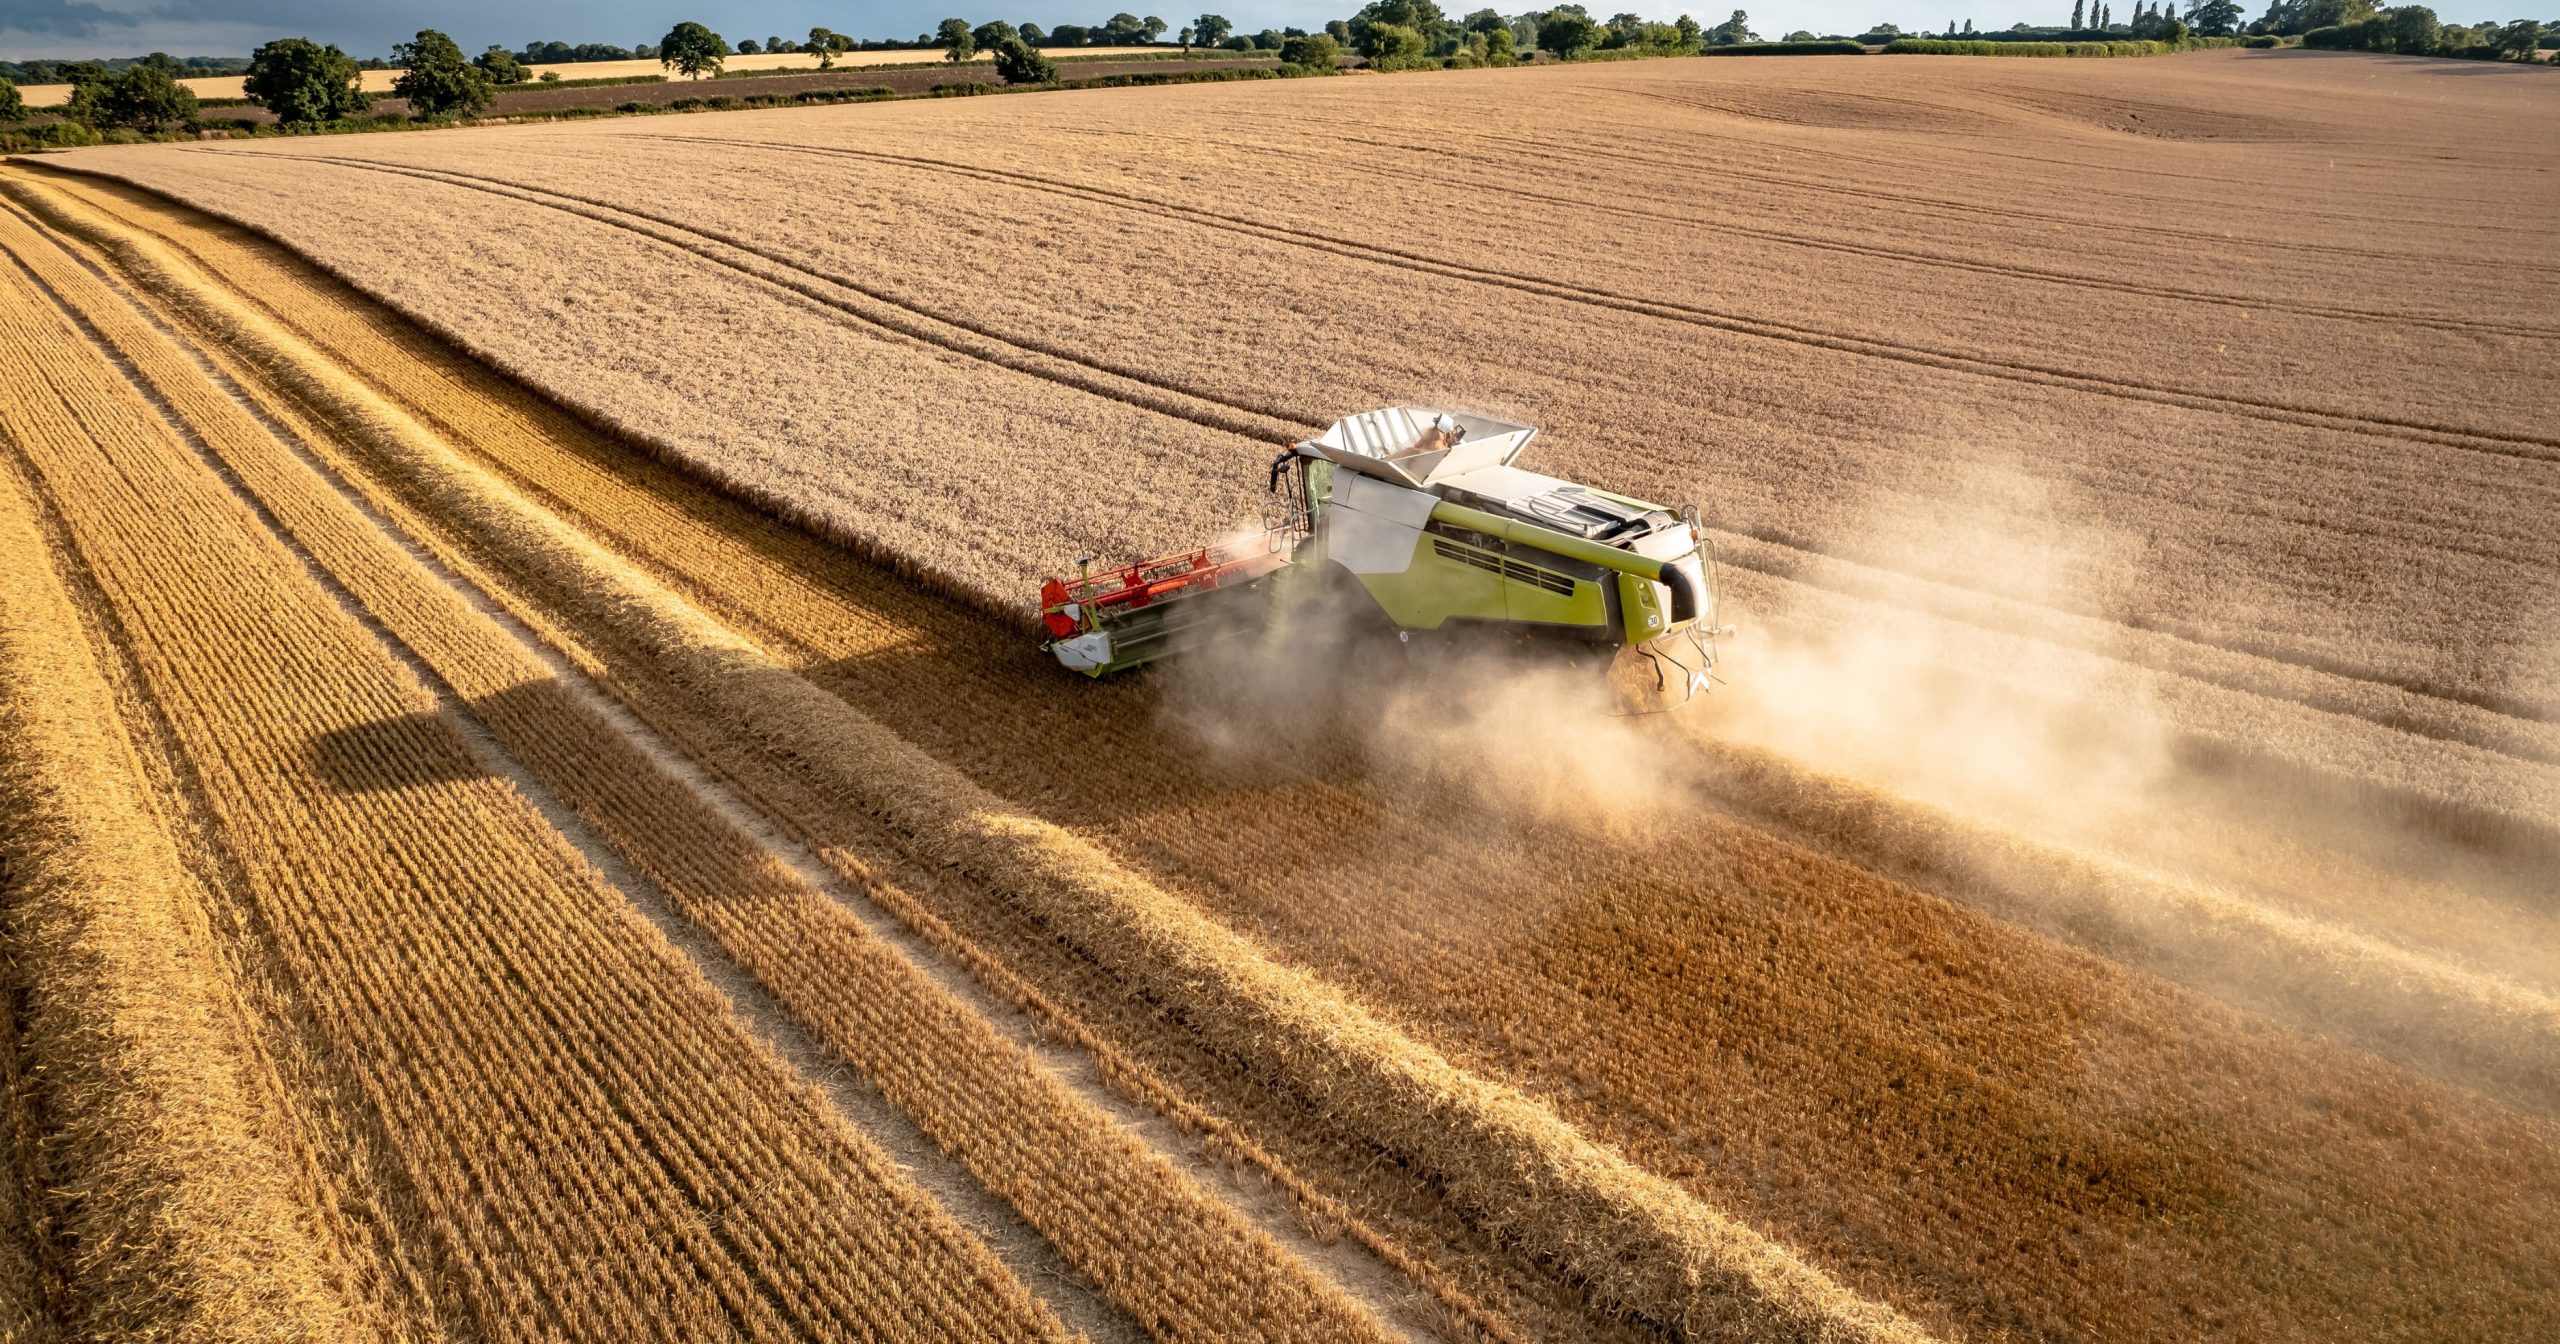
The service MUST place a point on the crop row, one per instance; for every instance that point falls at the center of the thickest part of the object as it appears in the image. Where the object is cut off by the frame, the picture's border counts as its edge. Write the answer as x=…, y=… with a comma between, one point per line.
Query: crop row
x=1805, y=440
x=1862, y=1068
x=1174, y=1257
x=598, y=1148
x=135, y=1133
x=1637, y=1242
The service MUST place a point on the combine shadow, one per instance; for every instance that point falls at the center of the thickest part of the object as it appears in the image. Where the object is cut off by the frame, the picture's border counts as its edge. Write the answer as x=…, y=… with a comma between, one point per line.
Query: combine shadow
x=407, y=752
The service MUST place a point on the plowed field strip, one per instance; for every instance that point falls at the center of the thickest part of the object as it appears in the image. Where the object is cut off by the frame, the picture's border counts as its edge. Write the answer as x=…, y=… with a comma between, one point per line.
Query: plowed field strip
x=348, y=800
x=2530, y=447
x=1638, y=1242
x=1167, y=1252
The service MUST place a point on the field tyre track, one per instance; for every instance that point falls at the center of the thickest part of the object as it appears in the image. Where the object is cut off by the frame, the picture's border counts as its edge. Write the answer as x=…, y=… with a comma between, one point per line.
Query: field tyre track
x=2527, y=447
x=1259, y=423
x=1640, y=1242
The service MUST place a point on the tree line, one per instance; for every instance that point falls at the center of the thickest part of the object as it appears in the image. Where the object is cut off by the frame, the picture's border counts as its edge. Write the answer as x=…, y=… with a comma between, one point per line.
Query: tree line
x=306, y=83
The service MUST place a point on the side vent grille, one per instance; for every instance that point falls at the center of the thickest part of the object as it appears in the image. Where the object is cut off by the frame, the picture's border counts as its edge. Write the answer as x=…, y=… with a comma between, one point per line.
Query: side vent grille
x=1559, y=584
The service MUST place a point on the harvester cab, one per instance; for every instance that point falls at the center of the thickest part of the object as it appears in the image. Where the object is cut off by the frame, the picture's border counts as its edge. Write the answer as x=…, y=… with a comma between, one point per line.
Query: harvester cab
x=1426, y=516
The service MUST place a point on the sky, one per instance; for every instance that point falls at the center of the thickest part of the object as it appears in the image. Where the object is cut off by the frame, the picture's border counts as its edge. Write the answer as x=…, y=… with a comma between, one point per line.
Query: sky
x=72, y=28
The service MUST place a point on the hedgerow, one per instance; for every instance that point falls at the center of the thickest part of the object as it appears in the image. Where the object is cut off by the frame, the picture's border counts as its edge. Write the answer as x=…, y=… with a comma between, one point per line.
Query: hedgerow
x=1828, y=47
x=1933, y=46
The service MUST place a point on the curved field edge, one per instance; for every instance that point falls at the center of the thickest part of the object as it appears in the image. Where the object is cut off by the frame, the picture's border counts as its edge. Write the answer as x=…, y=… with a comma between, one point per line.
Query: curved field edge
x=1639, y=1242
x=805, y=233
x=2405, y=1002
x=428, y=362
x=1165, y=1251
x=147, y=1153
x=2219, y=706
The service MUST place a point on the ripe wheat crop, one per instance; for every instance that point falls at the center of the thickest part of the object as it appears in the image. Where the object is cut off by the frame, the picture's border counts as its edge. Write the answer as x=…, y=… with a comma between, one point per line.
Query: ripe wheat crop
x=2105, y=905
x=1636, y=1240
x=569, y=1153
x=1173, y=1257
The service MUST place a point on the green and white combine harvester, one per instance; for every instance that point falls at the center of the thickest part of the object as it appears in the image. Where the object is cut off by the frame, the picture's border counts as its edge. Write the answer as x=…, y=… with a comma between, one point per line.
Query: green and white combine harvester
x=1420, y=520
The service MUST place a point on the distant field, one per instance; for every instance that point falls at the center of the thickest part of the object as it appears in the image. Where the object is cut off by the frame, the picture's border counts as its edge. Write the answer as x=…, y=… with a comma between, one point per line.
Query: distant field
x=2111, y=899
x=379, y=81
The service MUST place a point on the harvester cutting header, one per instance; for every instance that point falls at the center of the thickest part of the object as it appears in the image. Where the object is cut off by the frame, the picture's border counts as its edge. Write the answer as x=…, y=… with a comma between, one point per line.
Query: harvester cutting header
x=1421, y=517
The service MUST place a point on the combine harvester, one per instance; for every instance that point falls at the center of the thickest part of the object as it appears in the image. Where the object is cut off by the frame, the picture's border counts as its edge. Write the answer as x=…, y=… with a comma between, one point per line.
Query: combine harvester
x=1418, y=520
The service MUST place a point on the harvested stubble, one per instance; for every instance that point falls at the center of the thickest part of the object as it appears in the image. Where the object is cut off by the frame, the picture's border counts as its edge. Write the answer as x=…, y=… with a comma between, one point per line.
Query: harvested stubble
x=1177, y=1260
x=151, y=1162
x=581, y=1142
x=2037, y=1142
x=1642, y=1244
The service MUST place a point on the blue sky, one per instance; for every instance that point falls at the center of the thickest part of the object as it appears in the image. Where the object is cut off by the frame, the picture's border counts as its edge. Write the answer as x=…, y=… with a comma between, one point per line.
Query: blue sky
x=32, y=28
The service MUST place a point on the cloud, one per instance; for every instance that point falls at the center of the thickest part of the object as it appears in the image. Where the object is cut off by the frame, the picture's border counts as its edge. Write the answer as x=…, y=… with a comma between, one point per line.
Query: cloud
x=62, y=18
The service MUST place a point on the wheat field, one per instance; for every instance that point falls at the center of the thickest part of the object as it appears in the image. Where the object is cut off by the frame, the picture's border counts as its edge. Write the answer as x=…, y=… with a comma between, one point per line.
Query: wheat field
x=541, y=643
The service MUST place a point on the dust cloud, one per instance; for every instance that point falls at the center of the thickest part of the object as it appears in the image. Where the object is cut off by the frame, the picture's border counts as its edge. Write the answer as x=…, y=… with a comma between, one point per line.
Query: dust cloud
x=2052, y=740
x=1318, y=685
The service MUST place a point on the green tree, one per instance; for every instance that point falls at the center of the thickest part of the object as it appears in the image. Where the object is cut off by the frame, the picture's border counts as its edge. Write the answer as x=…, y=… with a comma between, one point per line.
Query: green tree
x=2173, y=31
x=1623, y=30
x=1315, y=51
x=959, y=43
x=2414, y=30
x=1423, y=17
x=993, y=34
x=435, y=79
x=1124, y=30
x=1568, y=35
x=1498, y=48
x=12, y=106
x=748, y=47
x=692, y=50
x=1737, y=30
x=303, y=82
x=1389, y=43
x=501, y=66
x=145, y=96
x=828, y=44
x=1211, y=29
x=1691, y=36
x=2517, y=41
x=2215, y=18
x=1153, y=27
x=2291, y=17
x=1017, y=62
